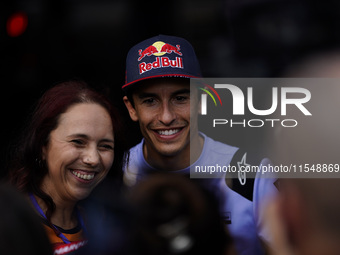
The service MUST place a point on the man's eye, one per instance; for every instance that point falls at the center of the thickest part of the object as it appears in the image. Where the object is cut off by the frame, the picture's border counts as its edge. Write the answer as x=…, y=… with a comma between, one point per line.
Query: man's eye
x=181, y=98
x=149, y=101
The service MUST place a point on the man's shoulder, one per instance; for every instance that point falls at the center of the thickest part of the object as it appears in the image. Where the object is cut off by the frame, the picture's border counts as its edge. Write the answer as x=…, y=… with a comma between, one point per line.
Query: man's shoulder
x=137, y=147
x=133, y=164
x=218, y=147
x=239, y=154
x=135, y=153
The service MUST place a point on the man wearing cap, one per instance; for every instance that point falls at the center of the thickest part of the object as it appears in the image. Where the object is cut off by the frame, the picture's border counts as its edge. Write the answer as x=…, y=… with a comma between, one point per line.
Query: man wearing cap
x=158, y=97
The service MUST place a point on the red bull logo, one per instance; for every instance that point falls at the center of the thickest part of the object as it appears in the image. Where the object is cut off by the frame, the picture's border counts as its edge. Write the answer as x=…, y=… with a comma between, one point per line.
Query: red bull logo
x=147, y=52
x=159, y=49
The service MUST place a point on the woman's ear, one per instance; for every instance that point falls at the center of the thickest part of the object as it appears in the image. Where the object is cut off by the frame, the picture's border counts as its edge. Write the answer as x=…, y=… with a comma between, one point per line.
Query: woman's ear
x=43, y=153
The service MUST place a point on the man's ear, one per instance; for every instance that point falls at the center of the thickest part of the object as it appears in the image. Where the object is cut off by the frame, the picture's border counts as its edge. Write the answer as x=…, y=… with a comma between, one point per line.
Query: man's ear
x=130, y=108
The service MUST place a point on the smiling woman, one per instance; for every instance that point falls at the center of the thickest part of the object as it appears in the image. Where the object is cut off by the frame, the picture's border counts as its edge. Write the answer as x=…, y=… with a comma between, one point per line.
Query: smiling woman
x=67, y=150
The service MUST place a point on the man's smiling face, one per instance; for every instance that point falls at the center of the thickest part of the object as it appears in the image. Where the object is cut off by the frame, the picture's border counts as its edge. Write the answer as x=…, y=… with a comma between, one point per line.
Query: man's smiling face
x=162, y=108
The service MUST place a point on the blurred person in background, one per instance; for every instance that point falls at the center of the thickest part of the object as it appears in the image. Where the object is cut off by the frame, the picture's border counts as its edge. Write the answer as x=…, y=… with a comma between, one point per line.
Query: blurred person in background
x=175, y=216
x=69, y=147
x=20, y=229
x=304, y=220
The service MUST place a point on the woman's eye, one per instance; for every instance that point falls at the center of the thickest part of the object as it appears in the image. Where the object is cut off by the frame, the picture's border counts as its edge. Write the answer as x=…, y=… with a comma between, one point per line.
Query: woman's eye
x=77, y=142
x=107, y=146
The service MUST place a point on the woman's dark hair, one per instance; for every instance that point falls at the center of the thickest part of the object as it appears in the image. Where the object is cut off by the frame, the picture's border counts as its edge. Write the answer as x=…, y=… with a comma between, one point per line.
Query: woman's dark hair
x=28, y=169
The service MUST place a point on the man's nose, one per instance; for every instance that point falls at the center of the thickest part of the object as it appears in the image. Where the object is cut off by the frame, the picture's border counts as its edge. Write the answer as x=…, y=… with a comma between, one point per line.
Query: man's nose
x=167, y=114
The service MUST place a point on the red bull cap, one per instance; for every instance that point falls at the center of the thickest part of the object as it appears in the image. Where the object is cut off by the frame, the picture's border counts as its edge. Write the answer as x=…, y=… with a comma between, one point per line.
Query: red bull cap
x=161, y=56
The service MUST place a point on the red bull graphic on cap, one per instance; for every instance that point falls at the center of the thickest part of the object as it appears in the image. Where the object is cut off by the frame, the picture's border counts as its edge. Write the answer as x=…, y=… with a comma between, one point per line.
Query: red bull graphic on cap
x=159, y=49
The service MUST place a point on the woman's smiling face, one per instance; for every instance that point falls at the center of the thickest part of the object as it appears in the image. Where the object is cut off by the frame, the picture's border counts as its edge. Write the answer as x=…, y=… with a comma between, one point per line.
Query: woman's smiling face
x=79, y=152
